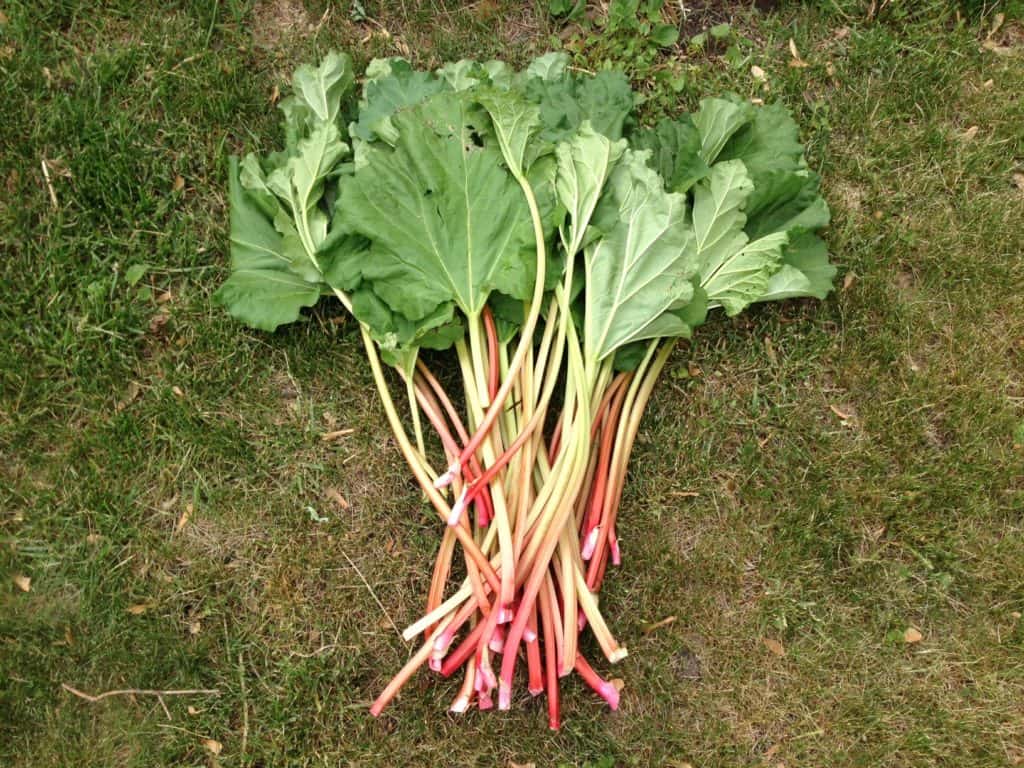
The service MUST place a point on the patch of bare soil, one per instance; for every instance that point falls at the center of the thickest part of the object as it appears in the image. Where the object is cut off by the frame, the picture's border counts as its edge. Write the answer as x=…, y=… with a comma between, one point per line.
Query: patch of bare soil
x=276, y=21
x=694, y=16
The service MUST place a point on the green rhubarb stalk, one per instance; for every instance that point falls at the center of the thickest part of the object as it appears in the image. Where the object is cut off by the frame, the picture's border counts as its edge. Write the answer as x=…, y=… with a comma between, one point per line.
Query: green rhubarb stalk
x=418, y=470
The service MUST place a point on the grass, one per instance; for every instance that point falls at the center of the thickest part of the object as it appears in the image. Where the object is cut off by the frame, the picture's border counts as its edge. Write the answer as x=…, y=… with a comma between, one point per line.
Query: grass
x=858, y=463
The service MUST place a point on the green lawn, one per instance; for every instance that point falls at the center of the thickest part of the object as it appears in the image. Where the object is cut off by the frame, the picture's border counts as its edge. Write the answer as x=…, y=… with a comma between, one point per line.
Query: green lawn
x=822, y=477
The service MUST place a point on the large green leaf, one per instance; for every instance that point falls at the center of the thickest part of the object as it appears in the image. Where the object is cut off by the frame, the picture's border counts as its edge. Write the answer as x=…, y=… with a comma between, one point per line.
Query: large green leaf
x=718, y=217
x=254, y=182
x=446, y=219
x=805, y=271
x=584, y=164
x=716, y=121
x=399, y=338
x=323, y=88
x=606, y=100
x=742, y=277
x=769, y=142
x=384, y=96
x=639, y=268
x=300, y=183
x=262, y=291
x=734, y=271
x=550, y=66
x=675, y=147
x=785, y=200
x=515, y=122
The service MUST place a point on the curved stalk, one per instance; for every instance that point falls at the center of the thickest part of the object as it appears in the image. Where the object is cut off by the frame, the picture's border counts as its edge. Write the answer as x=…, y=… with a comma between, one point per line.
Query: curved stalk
x=421, y=475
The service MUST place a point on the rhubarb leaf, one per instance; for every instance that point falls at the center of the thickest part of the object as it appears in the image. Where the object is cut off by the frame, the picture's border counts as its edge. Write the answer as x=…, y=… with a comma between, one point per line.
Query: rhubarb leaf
x=790, y=201
x=384, y=96
x=769, y=142
x=606, y=100
x=262, y=291
x=446, y=219
x=550, y=66
x=716, y=121
x=300, y=184
x=584, y=164
x=323, y=88
x=515, y=123
x=675, y=147
x=640, y=267
x=734, y=271
x=805, y=271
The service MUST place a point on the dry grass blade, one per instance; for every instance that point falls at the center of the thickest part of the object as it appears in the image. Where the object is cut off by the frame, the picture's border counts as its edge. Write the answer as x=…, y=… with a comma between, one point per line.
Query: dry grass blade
x=338, y=433
x=649, y=628
x=372, y=593
x=139, y=692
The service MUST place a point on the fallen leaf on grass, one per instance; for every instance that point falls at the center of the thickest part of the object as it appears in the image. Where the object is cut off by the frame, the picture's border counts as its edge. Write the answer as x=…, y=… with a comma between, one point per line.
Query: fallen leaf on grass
x=213, y=746
x=997, y=22
x=912, y=635
x=1018, y=180
x=648, y=628
x=185, y=516
x=335, y=495
x=131, y=392
x=841, y=414
x=139, y=608
x=195, y=627
x=757, y=73
x=24, y=583
x=988, y=84
x=338, y=433
x=179, y=183
x=969, y=134
x=177, y=391
x=774, y=646
x=848, y=280
x=797, y=62
x=996, y=48
x=157, y=323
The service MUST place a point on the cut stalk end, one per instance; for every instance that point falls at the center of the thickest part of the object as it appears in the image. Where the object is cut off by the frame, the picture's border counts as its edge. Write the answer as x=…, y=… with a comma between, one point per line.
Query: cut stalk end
x=618, y=654
x=460, y=705
x=455, y=516
x=455, y=470
x=590, y=543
